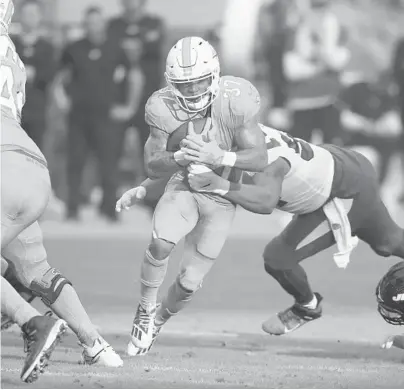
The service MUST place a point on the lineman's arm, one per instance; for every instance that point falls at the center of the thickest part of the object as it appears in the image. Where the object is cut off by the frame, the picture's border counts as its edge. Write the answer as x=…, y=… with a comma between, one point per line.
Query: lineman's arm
x=148, y=189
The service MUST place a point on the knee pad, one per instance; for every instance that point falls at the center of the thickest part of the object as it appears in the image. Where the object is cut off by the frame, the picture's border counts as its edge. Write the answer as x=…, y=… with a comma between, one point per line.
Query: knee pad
x=193, y=271
x=49, y=286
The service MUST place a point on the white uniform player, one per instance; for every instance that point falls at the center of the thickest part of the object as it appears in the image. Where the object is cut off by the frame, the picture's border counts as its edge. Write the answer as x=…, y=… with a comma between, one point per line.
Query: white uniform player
x=25, y=191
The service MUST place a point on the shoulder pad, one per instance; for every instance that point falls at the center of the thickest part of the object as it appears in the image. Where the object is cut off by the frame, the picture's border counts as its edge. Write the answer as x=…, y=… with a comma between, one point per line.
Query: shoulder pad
x=163, y=112
x=244, y=99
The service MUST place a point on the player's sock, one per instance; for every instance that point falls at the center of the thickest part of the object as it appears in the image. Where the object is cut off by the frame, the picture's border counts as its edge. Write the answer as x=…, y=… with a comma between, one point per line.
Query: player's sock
x=68, y=307
x=295, y=282
x=312, y=304
x=176, y=299
x=14, y=306
x=152, y=276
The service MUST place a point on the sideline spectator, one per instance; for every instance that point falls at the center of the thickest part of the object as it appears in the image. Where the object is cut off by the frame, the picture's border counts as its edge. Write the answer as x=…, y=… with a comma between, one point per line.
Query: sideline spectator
x=370, y=118
x=38, y=55
x=87, y=89
x=313, y=68
x=134, y=22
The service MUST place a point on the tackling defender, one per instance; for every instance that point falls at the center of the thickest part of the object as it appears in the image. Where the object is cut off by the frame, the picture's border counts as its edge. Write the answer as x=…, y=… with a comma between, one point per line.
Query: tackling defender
x=25, y=190
x=229, y=107
x=332, y=192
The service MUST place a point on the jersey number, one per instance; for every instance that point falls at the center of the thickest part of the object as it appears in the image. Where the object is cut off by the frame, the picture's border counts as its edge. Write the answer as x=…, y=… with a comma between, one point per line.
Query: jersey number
x=7, y=85
x=301, y=147
x=228, y=91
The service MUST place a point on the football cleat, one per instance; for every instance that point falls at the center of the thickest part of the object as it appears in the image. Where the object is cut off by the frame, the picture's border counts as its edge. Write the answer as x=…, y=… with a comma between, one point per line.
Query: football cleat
x=132, y=350
x=41, y=335
x=292, y=318
x=143, y=327
x=101, y=353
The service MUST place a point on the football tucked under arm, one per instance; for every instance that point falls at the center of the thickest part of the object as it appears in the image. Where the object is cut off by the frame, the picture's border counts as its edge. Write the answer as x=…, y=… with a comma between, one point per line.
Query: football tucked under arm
x=159, y=162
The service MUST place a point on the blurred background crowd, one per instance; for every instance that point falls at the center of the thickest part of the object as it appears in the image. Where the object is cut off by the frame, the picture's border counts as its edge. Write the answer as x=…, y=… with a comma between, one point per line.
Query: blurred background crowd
x=328, y=71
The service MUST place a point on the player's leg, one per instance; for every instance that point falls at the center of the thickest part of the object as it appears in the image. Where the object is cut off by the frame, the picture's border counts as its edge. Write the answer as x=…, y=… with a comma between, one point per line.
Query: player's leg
x=8, y=272
x=29, y=259
x=25, y=190
x=202, y=247
x=41, y=334
x=305, y=236
x=380, y=231
x=175, y=216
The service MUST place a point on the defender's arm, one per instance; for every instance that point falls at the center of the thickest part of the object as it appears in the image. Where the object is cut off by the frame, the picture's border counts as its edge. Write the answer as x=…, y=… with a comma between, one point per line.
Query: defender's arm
x=262, y=195
x=158, y=162
x=252, y=151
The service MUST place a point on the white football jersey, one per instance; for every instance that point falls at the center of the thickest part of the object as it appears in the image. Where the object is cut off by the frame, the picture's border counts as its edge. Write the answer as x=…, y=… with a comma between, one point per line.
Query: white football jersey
x=307, y=185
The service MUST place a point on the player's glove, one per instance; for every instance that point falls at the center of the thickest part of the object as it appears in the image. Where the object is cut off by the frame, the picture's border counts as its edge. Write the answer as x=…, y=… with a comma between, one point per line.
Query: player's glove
x=394, y=341
x=129, y=198
x=203, y=179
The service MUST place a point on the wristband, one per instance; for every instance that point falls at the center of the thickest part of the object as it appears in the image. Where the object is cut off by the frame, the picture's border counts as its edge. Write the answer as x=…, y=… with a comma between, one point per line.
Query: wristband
x=229, y=159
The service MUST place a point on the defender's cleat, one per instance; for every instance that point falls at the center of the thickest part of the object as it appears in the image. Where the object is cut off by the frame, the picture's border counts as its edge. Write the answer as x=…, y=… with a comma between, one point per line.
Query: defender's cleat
x=143, y=327
x=292, y=318
x=41, y=334
x=101, y=353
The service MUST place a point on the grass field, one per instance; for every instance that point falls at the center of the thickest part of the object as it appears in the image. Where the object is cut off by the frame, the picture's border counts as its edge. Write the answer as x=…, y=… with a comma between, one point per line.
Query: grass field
x=217, y=341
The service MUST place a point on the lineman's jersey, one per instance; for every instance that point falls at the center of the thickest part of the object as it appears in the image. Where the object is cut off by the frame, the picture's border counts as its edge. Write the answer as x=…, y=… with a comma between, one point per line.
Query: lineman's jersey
x=307, y=186
x=12, y=100
x=237, y=103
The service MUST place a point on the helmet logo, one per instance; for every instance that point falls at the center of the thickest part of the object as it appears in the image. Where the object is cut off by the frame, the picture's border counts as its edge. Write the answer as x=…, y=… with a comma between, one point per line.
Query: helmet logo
x=398, y=298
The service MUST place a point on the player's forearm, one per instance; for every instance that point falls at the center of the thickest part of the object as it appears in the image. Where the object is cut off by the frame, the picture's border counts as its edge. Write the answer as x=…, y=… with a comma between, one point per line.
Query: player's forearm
x=252, y=198
x=254, y=159
x=154, y=188
x=162, y=164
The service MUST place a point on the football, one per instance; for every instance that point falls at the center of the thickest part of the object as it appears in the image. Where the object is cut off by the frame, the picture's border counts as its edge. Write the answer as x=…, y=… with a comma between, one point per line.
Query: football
x=173, y=143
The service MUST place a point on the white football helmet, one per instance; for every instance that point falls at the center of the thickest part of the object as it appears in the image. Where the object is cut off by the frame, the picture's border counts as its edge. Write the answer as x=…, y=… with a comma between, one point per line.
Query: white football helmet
x=6, y=13
x=193, y=73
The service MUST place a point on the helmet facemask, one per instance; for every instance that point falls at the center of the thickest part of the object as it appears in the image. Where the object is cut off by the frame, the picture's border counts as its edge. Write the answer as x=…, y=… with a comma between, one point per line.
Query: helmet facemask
x=199, y=100
x=392, y=315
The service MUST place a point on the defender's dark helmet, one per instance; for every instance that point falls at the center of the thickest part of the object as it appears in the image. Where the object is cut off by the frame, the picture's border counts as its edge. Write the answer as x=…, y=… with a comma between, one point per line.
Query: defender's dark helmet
x=390, y=295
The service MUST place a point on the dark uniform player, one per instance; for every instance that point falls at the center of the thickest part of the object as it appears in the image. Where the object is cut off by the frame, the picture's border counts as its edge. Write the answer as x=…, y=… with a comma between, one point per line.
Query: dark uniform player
x=390, y=302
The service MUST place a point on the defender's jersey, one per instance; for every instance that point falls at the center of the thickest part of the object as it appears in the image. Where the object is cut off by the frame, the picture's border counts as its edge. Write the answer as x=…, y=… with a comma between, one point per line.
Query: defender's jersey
x=236, y=104
x=307, y=186
x=12, y=99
